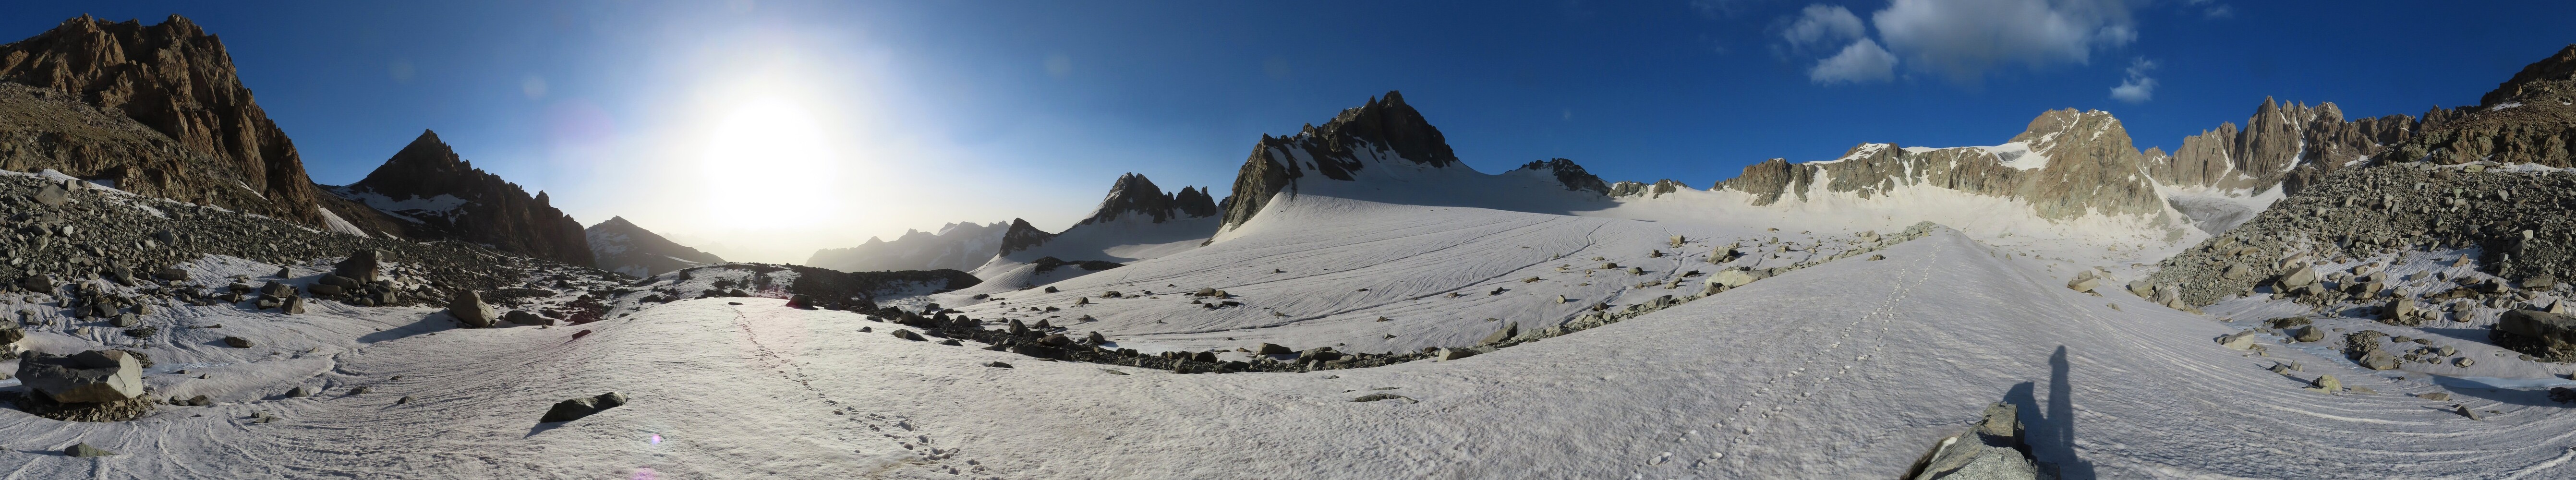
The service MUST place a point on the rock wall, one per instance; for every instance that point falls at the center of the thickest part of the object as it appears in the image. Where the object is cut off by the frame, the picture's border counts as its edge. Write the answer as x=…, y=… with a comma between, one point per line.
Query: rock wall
x=2526, y=119
x=1568, y=173
x=203, y=138
x=442, y=196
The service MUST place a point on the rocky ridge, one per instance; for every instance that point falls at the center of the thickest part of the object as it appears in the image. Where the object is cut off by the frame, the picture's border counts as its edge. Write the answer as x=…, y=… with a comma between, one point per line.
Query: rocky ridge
x=621, y=246
x=955, y=246
x=2066, y=164
x=442, y=196
x=1135, y=195
x=156, y=110
x=2284, y=144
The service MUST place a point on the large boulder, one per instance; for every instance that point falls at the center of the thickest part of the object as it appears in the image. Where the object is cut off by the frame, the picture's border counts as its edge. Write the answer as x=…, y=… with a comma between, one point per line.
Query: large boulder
x=2541, y=334
x=1731, y=278
x=575, y=409
x=2298, y=278
x=468, y=307
x=366, y=266
x=1994, y=449
x=88, y=377
x=524, y=317
x=1500, y=335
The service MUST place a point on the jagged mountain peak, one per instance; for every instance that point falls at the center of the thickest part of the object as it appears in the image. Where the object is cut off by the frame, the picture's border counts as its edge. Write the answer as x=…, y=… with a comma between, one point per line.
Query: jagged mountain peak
x=1384, y=130
x=444, y=196
x=1568, y=173
x=1136, y=195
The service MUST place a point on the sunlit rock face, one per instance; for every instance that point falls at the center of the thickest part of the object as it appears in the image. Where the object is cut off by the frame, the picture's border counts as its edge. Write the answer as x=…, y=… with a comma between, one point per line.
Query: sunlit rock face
x=440, y=195
x=2530, y=118
x=621, y=246
x=155, y=110
x=2284, y=144
x=2066, y=164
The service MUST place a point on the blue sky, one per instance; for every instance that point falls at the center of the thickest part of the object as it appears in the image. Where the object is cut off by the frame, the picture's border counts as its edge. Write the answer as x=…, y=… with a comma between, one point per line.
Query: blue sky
x=984, y=111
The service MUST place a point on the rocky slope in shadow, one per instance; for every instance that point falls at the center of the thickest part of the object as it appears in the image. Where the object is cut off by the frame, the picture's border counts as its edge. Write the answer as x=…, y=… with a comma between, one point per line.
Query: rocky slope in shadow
x=155, y=110
x=441, y=196
x=621, y=246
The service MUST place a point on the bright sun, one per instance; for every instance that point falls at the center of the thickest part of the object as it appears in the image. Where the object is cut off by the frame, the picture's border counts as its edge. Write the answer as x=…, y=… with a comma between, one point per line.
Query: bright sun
x=767, y=163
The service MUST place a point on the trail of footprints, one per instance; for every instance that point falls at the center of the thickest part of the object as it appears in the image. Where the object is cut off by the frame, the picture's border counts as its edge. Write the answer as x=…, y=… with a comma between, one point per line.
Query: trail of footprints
x=893, y=428
x=1741, y=432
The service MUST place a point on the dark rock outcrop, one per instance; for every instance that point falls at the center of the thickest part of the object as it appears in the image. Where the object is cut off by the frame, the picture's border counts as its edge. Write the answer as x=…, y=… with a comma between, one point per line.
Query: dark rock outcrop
x=1135, y=195
x=1023, y=236
x=156, y=110
x=442, y=196
x=1566, y=172
x=620, y=246
x=1381, y=130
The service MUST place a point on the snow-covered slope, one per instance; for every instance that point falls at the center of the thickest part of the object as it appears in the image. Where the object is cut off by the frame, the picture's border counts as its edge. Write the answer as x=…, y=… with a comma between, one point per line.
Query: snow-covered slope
x=1135, y=221
x=1846, y=370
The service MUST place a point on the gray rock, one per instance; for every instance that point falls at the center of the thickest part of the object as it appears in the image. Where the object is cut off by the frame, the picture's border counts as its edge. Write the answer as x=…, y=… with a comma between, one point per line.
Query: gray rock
x=405, y=399
x=2326, y=384
x=1501, y=335
x=83, y=450
x=298, y=392
x=2240, y=340
x=2307, y=334
x=292, y=306
x=364, y=265
x=908, y=335
x=524, y=317
x=1002, y=365
x=1273, y=349
x=1991, y=450
x=468, y=307
x=2554, y=331
x=237, y=342
x=88, y=377
x=1447, y=354
x=52, y=196
x=40, y=283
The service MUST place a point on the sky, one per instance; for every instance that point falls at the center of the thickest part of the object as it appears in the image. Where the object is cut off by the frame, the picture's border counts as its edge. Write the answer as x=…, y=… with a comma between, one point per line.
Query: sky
x=763, y=130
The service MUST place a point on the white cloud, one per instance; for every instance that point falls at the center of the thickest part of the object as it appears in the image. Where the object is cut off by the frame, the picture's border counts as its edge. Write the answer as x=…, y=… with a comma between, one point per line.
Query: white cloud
x=1862, y=62
x=2138, y=88
x=1965, y=38
x=1823, y=26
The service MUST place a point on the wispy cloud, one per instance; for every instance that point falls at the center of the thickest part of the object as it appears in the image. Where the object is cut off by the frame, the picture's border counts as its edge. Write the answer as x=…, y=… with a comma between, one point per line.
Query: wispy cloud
x=1862, y=62
x=2138, y=87
x=1964, y=39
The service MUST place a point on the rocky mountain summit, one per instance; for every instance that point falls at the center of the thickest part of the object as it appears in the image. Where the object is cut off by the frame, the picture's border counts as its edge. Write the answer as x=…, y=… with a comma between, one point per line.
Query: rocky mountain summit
x=2530, y=118
x=1135, y=195
x=2284, y=144
x=156, y=110
x=1568, y=173
x=440, y=195
x=1383, y=130
x=955, y=246
x=621, y=246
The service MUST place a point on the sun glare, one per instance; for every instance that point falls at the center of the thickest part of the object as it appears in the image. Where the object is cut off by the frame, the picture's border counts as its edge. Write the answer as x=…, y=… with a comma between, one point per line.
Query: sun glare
x=767, y=162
